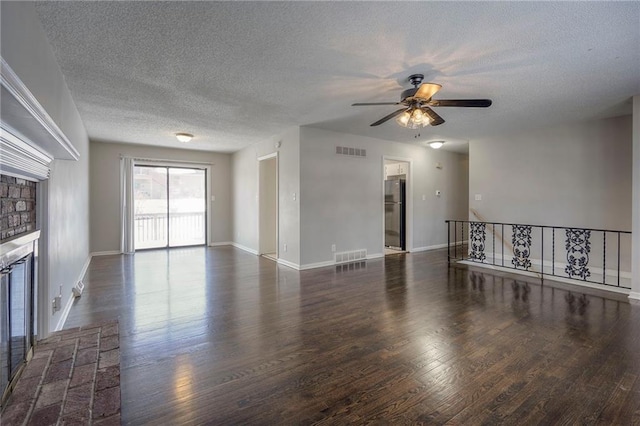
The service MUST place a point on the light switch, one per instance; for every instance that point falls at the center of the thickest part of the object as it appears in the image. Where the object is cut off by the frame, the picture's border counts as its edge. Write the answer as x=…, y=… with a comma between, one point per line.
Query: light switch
x=478, y=197
x=213, y=198
x=424, y=197
x=294, y=196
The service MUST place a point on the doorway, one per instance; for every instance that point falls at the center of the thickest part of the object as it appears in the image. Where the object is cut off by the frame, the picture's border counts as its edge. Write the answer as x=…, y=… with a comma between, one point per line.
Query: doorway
x=268, y=206
x=396, y=213
x=170, y=207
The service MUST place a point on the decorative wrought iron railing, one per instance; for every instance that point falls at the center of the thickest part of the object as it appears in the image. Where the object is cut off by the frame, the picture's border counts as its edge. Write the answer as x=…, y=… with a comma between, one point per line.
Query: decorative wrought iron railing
x=596, y=256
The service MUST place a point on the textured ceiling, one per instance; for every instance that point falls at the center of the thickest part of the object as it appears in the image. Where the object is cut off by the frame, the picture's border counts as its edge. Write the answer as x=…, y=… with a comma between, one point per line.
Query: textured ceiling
x=234, y=73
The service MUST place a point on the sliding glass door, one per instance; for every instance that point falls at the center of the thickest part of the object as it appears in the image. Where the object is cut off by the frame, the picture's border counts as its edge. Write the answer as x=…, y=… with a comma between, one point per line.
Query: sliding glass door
x=169, y=206
x=187, y=207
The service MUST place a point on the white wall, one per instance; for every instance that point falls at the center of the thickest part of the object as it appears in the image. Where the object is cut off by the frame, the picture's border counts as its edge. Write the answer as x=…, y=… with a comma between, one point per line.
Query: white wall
x=342, y=197
x=28, y=53
x=573, y=175
x=245, y=194
x=105, y=189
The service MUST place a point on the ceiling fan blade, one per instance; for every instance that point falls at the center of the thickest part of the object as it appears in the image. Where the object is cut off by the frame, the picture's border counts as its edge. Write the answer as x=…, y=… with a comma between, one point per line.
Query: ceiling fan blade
x=375, y=103
x=389, y=117
x=476, y=103
x=427, y=90
x=435, y=119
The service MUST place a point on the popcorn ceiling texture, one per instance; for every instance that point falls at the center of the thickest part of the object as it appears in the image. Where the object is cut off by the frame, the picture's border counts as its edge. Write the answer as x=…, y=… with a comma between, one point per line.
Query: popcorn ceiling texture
x=234, y=73
x=18, y=207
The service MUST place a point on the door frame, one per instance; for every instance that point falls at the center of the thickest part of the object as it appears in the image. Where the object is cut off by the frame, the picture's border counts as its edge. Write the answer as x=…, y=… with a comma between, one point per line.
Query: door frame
x=207, y=184
x=263, y=158
x=408, y=229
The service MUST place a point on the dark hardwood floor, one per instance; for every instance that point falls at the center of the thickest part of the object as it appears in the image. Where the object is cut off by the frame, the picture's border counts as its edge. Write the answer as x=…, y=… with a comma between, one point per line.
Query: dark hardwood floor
x=219, y=336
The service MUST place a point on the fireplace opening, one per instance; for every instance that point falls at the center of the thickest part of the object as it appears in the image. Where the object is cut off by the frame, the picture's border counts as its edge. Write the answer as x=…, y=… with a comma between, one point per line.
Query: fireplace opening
x=18, y=282
x=16, y=324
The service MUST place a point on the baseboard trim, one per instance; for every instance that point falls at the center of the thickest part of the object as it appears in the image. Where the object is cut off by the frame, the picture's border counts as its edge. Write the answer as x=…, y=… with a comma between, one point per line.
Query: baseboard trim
x=289, y=264
x=223, y=243
x=320, y=265
x=375, y=256
x=105, y=253
x=85, y=267
x=247, y=249
x=634, y=297
x=428, y=248
x=65, y=313
x=436, y=246
x=69, y=304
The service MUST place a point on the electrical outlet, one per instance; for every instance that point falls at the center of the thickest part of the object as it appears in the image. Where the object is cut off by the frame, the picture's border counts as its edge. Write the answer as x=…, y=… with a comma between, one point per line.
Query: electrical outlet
x=333, y=248
x=56, y=304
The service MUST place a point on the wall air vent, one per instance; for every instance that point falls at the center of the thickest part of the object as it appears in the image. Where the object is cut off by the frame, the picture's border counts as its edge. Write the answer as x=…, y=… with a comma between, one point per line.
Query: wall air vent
x=351, y=152
x=351, y=256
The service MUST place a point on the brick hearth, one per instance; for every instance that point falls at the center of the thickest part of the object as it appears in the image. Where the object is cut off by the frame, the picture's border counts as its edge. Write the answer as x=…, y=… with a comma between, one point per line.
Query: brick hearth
x=73, y=377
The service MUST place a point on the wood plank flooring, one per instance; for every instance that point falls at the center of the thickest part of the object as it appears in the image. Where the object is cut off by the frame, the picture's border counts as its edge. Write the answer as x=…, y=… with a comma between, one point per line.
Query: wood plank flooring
x=219, y=336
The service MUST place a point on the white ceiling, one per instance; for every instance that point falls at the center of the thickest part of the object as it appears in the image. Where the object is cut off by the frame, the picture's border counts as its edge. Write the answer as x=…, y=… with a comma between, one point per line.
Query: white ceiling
x=234, y=73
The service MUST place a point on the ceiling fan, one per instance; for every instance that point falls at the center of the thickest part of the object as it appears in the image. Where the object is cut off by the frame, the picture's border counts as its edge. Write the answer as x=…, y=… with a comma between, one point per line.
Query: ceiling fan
x=417, y=101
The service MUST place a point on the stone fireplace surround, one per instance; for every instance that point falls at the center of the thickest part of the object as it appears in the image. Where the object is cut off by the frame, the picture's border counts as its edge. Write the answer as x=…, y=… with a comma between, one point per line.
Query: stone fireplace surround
x=18, y=207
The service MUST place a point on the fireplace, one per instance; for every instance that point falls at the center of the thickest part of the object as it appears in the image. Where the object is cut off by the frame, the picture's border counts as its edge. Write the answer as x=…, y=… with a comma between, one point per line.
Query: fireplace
x=30, y=140
x=18, y=258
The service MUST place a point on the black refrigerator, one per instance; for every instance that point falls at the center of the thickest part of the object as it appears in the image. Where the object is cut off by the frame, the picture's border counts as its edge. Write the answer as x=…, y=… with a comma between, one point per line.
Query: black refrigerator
x=394, y=213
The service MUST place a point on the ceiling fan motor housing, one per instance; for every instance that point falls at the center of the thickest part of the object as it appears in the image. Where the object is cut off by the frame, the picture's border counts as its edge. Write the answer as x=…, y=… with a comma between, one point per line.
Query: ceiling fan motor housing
x=416, y=79
x=407, y=94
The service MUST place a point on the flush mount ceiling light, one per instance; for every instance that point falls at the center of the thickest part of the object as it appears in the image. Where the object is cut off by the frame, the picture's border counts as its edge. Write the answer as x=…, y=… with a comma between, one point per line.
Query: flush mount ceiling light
x=436, y=144
x=184, y=137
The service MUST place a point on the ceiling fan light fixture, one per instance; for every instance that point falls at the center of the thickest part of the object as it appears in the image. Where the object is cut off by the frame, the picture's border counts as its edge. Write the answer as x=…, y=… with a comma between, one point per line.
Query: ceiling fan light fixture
x=417, y=116
x=413, y=118
x=403, y=119
x=418, y=101
x=184, y=137
x=436, y=144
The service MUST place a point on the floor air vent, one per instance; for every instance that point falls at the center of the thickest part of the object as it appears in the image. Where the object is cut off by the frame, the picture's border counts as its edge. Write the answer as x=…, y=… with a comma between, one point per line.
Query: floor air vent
x=351, y=152
x=351, y=256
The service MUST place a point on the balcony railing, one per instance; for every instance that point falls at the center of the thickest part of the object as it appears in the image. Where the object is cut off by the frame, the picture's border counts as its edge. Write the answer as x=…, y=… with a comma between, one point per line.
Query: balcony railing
x=183, y=229
x=595, y=256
